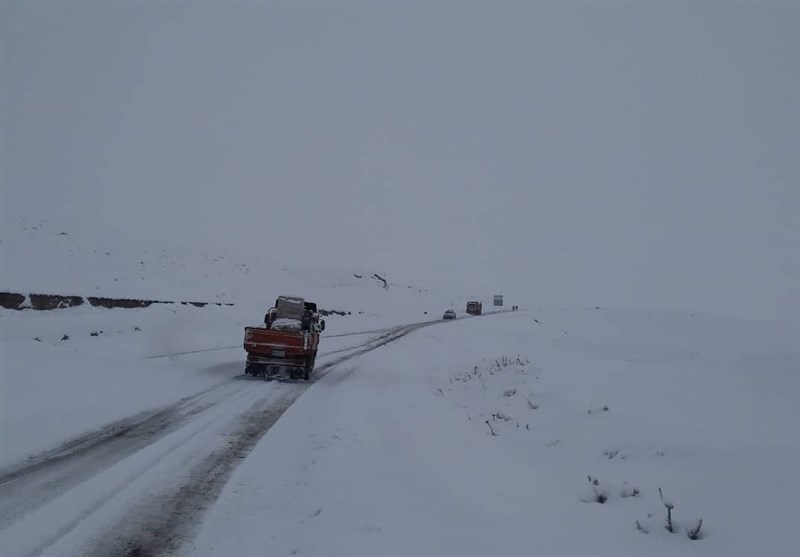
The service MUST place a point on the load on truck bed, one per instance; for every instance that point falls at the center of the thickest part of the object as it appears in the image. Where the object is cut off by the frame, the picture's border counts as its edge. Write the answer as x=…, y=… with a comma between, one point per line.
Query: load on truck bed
x=286, y=346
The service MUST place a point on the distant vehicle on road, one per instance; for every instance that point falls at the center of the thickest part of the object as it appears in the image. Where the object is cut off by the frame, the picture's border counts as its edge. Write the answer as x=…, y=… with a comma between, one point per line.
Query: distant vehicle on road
x=449, y=314
x=474, y=308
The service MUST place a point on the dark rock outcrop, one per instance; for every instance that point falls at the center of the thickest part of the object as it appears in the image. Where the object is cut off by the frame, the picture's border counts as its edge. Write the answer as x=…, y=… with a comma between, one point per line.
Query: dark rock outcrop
x=13, y=300
x=54, y=301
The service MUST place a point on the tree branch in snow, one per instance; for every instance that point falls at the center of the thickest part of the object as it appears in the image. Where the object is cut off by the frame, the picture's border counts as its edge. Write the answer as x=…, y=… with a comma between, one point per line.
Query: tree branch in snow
x=380, y=278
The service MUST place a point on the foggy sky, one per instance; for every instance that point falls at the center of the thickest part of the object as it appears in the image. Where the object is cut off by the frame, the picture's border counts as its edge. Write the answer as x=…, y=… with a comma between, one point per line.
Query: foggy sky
x=621, y=154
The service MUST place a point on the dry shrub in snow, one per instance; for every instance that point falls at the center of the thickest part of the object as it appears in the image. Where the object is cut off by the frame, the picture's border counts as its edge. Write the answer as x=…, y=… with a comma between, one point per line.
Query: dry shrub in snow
x=669, y=506
x=627, y=490
x=599, y=493
x=694, y=533
x=501, y=416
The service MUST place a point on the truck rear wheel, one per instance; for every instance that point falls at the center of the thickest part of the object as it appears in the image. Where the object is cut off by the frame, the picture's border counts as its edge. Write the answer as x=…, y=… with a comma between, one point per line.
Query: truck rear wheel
x=256, y=370
x=309, y=367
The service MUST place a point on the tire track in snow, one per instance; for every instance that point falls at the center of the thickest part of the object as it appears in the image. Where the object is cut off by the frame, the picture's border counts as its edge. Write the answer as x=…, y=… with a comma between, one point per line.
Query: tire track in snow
x=26, y=487
x=107, y=494
x=31, y=484
x=239, y=346
x=392, y=335
x=160, y=527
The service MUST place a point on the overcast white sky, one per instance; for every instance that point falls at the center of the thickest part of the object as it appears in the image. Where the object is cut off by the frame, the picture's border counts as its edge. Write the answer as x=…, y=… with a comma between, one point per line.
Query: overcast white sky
x=629, y=154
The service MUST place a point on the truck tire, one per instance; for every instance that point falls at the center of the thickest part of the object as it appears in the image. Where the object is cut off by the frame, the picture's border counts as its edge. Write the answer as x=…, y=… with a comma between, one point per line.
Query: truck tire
x=309, y=366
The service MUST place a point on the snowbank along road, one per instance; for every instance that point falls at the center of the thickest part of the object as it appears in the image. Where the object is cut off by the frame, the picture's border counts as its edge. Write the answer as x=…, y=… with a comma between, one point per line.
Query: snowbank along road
x=145, y=481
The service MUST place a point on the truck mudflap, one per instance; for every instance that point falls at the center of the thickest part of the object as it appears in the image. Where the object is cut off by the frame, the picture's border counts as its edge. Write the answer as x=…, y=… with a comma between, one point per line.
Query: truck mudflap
x=279, y=368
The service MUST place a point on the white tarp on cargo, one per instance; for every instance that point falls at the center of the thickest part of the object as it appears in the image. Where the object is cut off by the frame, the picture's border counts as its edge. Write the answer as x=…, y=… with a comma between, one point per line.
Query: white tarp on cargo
x=284, y=324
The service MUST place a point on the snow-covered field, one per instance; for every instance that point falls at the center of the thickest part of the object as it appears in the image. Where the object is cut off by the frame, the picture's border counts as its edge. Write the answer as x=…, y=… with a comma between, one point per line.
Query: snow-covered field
x=61, y=256
x=496, y=435
x=481, y=438
x=542, y=431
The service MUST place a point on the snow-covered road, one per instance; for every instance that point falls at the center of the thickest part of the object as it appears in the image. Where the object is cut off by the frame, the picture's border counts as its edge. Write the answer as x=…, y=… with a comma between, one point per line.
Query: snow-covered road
x=141, y=479
x=138, y=485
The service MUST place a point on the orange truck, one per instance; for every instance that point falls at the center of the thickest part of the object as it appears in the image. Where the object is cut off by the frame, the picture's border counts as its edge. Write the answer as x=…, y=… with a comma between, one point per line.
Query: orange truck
x=286, y=346
x=474, y=308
